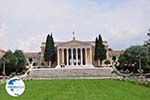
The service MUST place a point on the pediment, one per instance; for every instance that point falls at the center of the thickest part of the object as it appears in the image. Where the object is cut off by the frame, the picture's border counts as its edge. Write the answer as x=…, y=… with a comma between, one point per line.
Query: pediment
x=74, y=43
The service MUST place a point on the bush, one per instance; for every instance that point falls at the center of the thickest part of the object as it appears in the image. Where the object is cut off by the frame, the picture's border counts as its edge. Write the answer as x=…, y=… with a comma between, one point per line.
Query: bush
x=146, y=69
x=35, y=64
x=42, y=64
x=107, y=62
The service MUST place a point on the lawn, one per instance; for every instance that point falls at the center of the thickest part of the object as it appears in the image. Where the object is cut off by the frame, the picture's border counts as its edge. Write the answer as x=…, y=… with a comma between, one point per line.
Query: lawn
x=96, y=89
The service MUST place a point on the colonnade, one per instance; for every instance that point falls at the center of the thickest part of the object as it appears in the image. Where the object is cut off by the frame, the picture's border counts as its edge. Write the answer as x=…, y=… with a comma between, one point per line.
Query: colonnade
x=74, y=56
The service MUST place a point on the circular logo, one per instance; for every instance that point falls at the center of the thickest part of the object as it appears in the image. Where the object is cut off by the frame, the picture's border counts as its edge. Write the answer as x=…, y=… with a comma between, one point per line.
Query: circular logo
x=15, y=86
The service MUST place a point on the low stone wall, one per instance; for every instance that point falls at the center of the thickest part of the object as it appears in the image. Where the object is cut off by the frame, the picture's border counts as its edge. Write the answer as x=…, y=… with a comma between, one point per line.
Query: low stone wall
x=64, y=73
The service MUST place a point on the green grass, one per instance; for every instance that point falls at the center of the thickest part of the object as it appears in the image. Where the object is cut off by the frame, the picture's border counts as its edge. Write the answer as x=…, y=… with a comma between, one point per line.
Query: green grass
x=102, y=89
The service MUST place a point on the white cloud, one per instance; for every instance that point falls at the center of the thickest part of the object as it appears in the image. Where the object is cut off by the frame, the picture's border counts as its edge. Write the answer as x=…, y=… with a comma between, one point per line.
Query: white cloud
x=3, y=36
x=32, y=43
x=3, y=30
x=120, y=23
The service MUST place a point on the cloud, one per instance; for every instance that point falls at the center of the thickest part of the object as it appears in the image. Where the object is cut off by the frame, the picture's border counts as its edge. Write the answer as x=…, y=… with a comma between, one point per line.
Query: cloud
x=32, y=43
x=3, y=30
x=122, y=23
x=3, y=36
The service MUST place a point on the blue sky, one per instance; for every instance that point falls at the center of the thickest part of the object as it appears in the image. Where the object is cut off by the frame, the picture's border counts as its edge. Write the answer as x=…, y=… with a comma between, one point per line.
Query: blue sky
x=24, y=24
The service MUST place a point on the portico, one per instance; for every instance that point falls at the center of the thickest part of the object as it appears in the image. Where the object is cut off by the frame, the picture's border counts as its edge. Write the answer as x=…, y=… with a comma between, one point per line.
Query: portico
x=74, y=53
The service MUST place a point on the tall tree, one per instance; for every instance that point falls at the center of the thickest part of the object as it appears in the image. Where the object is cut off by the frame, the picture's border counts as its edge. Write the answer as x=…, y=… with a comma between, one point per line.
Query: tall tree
x=21, y=60
x=49, y=54
x=53, y=51
x=96, y=52
x=147, y=46
x=100, y=53
x=147, y=42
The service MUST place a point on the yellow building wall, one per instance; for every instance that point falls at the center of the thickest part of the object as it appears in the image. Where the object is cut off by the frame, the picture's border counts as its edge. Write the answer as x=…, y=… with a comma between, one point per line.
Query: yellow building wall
x=95, y=63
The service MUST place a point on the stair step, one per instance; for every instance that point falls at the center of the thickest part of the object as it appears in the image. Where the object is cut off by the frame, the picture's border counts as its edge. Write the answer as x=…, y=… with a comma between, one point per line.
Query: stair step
x=62, y=72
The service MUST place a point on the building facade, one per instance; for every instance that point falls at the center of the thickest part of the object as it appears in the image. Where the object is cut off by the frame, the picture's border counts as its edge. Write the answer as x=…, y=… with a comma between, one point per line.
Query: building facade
x=114, y=53
x=35, y=56
x=74, y=53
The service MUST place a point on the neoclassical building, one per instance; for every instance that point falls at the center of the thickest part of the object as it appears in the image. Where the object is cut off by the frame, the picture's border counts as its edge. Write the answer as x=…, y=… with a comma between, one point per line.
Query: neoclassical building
x=74, y=53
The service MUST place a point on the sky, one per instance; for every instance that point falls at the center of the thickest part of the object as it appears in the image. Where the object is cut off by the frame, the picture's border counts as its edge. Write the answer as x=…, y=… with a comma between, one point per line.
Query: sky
x=24, y=24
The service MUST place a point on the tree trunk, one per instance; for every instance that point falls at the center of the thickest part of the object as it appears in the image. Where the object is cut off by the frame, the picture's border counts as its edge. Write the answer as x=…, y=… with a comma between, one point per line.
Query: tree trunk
x=50, y=64
x=98, y=62
x=47, y=63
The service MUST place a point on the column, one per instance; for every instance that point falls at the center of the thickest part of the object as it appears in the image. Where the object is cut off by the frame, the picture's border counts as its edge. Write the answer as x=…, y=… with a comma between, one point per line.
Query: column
x=86, y=61
x=76, y=56
x=81, y=56
x=58, y=63
x=72, y=56
x=62, y=55
x=91, y=56
x=67, y=55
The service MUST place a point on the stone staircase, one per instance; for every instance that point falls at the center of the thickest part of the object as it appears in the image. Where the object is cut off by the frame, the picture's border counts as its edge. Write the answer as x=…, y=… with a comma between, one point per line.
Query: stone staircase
x=70, y=73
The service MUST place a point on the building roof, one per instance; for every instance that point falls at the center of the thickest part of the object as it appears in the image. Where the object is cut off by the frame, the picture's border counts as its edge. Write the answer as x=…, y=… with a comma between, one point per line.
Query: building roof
x=73, y=43
x=32, y=54
x=63, y=42
x=1, y=50
x=115, y=52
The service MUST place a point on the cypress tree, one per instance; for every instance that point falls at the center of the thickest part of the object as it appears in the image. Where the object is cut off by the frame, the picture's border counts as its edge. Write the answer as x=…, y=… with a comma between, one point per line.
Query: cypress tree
x=95, y=55
x=49, y=54
x=100, y=51
x=53, y=50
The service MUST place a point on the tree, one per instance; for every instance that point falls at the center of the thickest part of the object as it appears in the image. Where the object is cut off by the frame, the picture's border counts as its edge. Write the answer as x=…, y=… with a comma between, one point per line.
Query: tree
x=147, y=46
x=53, y=51
x=147, y=42
x=21, y=60
x=114, y=59
x=133, y=56
x=50, y=52
x=10, y=62
x=96, y=52
x=100, y=51
x=14, y=62
x=1, y=66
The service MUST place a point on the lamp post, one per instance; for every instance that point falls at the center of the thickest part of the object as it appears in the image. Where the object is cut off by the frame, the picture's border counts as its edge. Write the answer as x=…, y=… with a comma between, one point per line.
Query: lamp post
x=140, y=66
x=148, y=33
x=4, y=67
x=140, y=63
